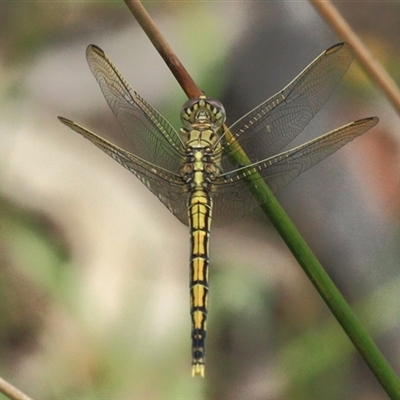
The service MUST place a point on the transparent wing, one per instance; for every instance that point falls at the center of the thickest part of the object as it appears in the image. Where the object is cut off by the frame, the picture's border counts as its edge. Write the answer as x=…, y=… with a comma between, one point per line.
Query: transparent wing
x=152, y=136
x=272, y=125
x=231, y=196
x=167, y=186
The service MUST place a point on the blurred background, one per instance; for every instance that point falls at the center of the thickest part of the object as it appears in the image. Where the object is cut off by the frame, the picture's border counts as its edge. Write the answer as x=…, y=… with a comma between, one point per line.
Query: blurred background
x=94, y=299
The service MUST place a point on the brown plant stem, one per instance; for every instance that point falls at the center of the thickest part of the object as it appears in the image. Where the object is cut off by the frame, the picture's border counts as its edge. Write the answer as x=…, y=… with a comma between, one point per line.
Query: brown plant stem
x=11, y=391
x=166, y=52
x=373, y=68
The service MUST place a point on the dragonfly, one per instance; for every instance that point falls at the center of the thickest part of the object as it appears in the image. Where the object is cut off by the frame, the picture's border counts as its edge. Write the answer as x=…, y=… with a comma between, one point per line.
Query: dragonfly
x=193, y=172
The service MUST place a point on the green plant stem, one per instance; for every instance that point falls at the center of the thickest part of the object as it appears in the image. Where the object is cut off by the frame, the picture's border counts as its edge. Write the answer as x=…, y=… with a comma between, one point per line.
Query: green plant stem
x=297, y=245
x=333, y=298
x=325, y=286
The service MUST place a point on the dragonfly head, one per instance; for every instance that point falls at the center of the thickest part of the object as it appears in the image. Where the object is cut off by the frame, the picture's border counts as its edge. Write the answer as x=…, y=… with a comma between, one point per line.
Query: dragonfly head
x=203, y=110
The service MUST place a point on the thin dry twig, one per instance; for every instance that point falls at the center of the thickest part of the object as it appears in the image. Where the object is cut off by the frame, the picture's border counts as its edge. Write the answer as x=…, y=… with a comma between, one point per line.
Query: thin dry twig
x=373, y=68
x=11, y=391
x=162, y=46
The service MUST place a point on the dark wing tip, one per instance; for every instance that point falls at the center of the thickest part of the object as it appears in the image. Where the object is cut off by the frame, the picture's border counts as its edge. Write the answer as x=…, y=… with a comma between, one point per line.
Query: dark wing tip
x=92, y=48
x=64, y=120
x=337, y=47
x=375, y=119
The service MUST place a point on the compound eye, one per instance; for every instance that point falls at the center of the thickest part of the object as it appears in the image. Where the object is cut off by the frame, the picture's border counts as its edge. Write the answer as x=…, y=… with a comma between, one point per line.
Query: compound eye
x=218, y=115
x=200, y=109
x=188, y=112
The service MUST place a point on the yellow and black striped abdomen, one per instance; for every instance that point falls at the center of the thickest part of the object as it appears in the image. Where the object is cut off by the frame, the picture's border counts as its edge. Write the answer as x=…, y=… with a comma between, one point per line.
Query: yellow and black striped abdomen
x=200, y=209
